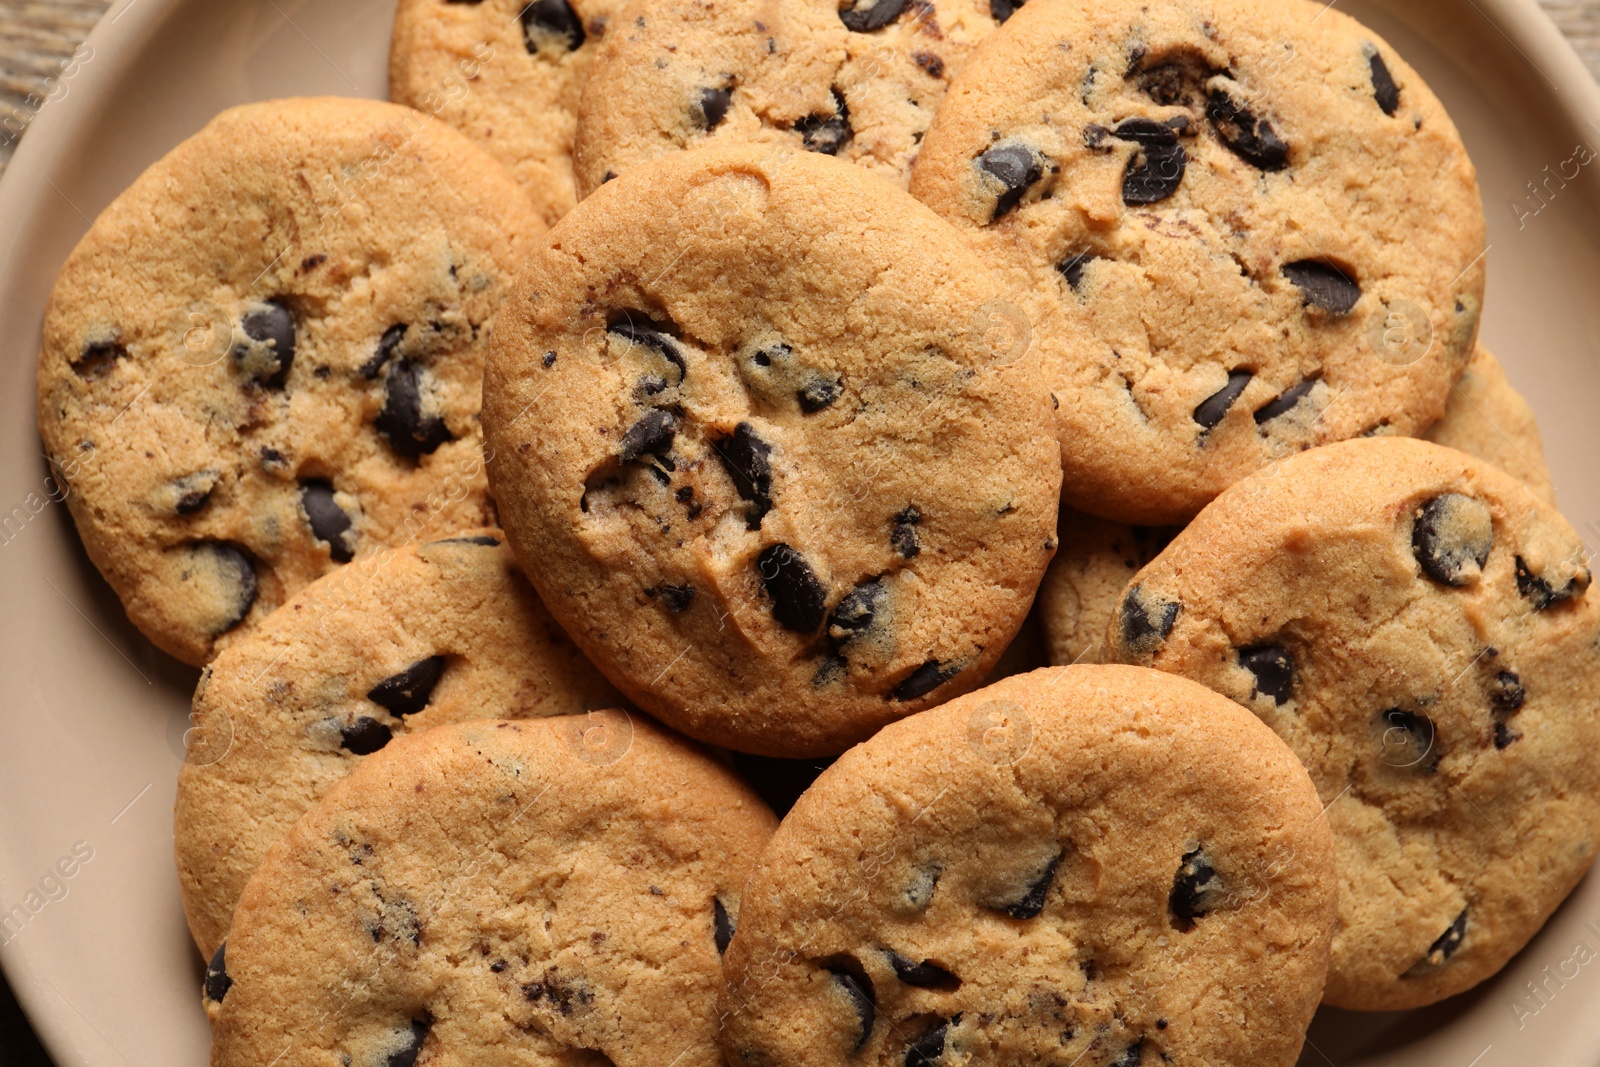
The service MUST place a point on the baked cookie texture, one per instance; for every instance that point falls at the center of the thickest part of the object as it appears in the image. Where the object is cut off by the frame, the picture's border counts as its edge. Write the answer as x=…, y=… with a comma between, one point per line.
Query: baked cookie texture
x=1215, y=213
x=265, y=358
x=1421, y=630
x=507, y=74
x=397, y=642
x=1094, y=864
x=766, y=440
x=1485, y=417
x=859, y=83
x=551, y=891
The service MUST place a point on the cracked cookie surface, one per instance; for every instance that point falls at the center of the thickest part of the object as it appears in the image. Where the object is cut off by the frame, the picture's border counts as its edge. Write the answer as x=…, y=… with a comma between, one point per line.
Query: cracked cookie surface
x=397, y=642
x=552, y=891
x=1093, y=865
x=1421, y=630
x=764, y=437
x=1210, y=209
x=264, y=359
x=859, y=83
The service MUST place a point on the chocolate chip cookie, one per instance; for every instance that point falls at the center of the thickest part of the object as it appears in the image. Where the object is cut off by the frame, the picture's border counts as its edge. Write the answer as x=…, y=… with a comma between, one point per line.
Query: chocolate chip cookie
x=1241, y=229
x=1487, y=418
x=858, y=81
x=506, y=73
x=546, y=891
x=766, y=439
x=265, y=357
x=1093, y=865
x=397, y=642
x=1420, y=629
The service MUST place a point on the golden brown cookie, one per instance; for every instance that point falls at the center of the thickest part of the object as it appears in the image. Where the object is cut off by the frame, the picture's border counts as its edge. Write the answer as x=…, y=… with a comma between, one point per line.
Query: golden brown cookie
x=1485, y=417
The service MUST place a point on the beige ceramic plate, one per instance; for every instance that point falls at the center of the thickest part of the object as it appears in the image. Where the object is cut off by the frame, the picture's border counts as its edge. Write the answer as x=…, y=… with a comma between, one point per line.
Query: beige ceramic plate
x=92, y=717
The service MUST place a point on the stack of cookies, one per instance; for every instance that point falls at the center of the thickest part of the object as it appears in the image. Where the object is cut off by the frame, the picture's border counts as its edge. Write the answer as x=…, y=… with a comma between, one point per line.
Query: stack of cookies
x=667, y=417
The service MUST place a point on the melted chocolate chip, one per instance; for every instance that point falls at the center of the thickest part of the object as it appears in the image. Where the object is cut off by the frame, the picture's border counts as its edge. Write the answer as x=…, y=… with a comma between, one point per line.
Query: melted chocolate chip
x=675, y=598
x=1247, y=136
x=904, y=535
x=98, y=359
x=924, y=975
x=408, y=692
x=641, y=330
x=1156, y=169
x=747, y=459
x=1016, y=167
x=1071, y=268
x=388, y=345
x=924, y=680
x=1176, y=81
x=1031, y=903
x=193, y=492
x=827, y=133
x=271, y=327
x=1004, y=9
x=651, y=435
x=1273, y=668
x=798, y=598
x=1384, y=90
x=853, y=982
x=722, y=928
x=411, y=1047
x=1323, y=285
x=817, y=394
x=1442, y=948
x=230, y=568
x=329, y=523
x=217, y=981
x=1507, y=694
x=1210, y=411
x=552, y=21
x=1504, y=735
x=1133, y=1055
x=1194, y=890
x=1146, y=619
x=1413, y=735
x=402, y=422
x=928, y=1050
x=1451, y=538
x=365, y=736
x=854, y=615
x=712, y=107
x=1541, y=593
x=875, y=15
x=1285, y=401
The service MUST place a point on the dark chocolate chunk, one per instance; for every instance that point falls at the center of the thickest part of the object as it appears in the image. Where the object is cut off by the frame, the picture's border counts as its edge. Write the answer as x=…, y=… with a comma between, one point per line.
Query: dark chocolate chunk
x=97, y=359
x=930, y=62
x=1246, y=135
x=1273, y=668
x=651, y=435
x=712, y=106
x=270, y=326
x=388, y=345
x=1507, y=693
x=1285, y=401
x=1071, y=268
x=721, y=925
x=193, y=491
x=649, y=385
x=827, y=133
x=928, y=1050
x=1541, y=592
x=1031, y=903
x=1443, y=947
x=1194, y=890
x=854, y=615
x=406, y=1054
x=1177, y=80
x=1408, y=740
x=365, y=736
x=402, y=422
x=1156, y=169
x=408, y=692
x=234, y=573
x=548, y=361
x=798, y=598
x=1016, y=167
x=853, y=982
x=217, y=981
x=1133, y=1055
x=550, y=20
x=1004, y=9
x=1323, y=285
x=640, y=330
x=747, y=459
x=779, y=781
x=1451, y=537
x=904, y=534
x=329, y=523
x=675, y=598
x=924, y=975
x=1210, y=411
x=817, y=394
x=1384, y=90
x=875, y=15
x=1146, y=619
x=485, y=540
x=924, y=680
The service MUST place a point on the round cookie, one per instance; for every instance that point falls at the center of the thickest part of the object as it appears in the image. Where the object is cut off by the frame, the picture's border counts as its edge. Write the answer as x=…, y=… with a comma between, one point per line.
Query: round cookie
x=765, y=439
x=1210, y=210
x=859, y=83
x=507, y=74
x=547, y=891
x=1420, y=629
x=265, y=358
x=1489, y=419
x=1093, y=865
x=397, y=642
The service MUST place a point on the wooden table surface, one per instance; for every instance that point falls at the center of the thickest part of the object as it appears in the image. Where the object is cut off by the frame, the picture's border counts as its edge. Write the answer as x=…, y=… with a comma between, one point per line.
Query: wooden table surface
x=36, y=35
